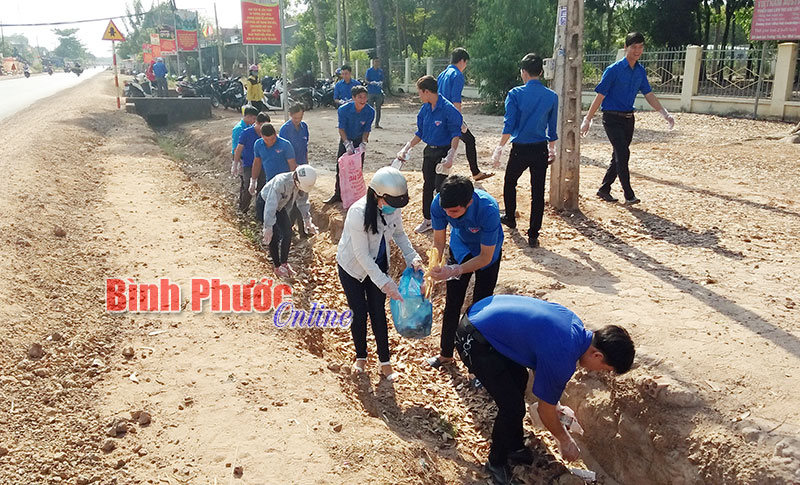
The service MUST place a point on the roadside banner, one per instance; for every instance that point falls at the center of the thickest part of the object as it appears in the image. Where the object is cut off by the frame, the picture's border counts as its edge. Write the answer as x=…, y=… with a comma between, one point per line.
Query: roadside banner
x=166, y=36
x=261, y=22
x=775, y=20
x=186, y=24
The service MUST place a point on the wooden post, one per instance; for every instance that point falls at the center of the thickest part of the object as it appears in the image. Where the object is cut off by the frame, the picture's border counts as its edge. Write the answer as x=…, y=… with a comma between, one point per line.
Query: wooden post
x=568, y=56
x=116, y=73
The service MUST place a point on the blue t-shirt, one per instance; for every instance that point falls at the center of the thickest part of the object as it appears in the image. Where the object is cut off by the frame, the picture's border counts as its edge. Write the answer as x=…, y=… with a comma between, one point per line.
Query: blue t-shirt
x=438, y=126
x=451, y=83
x=377, y=76
x=537, y=334
x=275, y=159
x=247, y=139
x=236, y=133
x=342, y=90
x=354, y=123
x=480, y=225
x=531, y=113
x=298, y=137
x=159, y=69
x=620, y=84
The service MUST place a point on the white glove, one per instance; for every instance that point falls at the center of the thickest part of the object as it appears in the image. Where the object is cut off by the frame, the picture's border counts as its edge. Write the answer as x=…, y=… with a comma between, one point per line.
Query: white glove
x=309, y=227
x=464, y=127
x=447, y=272
x=363, y=146
x=403, y=154
x=551, y=155
x=668, y=118
x=442, y=168
x=267, y=235
x=236, y=168
x=418, y=265
x=498, y=152
x=391, y=290
x=348, y=146
x=397, y=163
x=586, y=125
x=569, y=449
x=253, y=184
x=451, y=156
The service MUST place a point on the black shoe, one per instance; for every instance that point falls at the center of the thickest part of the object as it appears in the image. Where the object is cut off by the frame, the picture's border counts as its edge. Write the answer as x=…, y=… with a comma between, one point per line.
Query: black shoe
x=523, y=456
x=606, y=196
x=333, y=199
x=508, y=221
x=633, y=201
x=500, y=474
x=533, y=242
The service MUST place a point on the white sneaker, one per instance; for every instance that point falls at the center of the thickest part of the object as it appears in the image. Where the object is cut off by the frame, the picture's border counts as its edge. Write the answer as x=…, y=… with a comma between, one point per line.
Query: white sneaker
x=424, y=226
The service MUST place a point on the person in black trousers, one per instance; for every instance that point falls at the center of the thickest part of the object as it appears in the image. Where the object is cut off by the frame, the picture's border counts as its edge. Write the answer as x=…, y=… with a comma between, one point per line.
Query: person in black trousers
x=530, y=123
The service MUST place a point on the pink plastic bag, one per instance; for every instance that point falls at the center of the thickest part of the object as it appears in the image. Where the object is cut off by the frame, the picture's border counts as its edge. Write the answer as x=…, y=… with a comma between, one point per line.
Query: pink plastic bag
x=351, y=178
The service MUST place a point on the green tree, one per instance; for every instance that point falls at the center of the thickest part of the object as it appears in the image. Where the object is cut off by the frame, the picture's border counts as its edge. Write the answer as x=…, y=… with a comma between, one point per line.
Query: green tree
x=69, y=47
x=505, y=30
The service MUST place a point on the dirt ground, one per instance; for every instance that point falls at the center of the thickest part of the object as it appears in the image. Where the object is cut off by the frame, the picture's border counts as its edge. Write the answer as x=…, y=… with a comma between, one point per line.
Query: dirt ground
x=703, y=273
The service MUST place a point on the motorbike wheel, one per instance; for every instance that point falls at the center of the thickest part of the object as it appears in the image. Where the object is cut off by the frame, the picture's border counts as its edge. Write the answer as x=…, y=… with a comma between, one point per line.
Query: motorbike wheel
x=214, y=102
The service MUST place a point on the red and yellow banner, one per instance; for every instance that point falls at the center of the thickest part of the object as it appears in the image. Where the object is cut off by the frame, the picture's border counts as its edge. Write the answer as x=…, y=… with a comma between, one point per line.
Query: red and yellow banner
x=261, y=22
x=187, y=40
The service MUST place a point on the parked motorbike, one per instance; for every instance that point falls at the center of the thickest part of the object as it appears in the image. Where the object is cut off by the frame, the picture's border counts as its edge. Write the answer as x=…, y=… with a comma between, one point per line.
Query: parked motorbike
x=139, y=87
x=231, y=93
x=274, y=99
x=323, y=93
x=304, y=96
x=26, y=71
x=206, y=86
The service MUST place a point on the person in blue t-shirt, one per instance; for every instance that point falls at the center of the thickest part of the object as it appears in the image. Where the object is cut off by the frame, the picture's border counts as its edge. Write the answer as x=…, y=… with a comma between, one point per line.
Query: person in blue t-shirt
x=502, y=336
x=343, y=90
x=616, y=92
x=530, y=123
x=375, y=99
x=272, y=155
x=243, y=159
x=439, y=126
x=296, y=131
x=249, y=115
x=451, y=86
x=160, y=72
x=476, y=243
x=355, y=124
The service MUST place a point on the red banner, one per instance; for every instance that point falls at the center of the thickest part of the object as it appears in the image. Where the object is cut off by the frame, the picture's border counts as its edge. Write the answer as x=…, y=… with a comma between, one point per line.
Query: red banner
x=167, y=46
x=776, y=20
x=261, y=22
x=147, y=57
x=156, y=50
x=187, y=40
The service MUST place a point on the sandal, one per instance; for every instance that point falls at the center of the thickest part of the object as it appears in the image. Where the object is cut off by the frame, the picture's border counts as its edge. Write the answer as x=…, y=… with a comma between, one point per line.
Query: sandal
x=358, y=369
x=482, y=176
x=391, y=377
x=437, y=362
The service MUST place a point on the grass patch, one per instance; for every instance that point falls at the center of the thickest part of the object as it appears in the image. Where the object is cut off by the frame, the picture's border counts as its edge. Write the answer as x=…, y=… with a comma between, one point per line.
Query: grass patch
x=170, y=148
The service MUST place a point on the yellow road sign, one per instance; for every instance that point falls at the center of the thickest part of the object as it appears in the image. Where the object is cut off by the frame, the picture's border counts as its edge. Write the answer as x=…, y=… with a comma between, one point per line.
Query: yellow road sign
x=112, y=32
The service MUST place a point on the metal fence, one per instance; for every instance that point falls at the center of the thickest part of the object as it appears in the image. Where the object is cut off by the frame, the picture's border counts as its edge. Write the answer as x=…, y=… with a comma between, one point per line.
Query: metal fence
x=594, y=63
x=796, y=86
x=397, y=70
x=734, y=72
x=665, y=69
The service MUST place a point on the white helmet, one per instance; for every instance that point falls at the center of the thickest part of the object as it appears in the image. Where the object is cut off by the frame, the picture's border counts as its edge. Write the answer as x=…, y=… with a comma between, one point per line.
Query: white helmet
x=390, y=184
x=306, y=177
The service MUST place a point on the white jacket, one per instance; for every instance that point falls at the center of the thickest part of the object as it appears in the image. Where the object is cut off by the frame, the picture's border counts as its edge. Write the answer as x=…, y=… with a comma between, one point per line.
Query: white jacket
x=281, y=192
x=358, y=248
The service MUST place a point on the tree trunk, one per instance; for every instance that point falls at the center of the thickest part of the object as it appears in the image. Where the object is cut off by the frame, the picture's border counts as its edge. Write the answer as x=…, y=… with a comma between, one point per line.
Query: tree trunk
x=379, y=19
x=346, y=32
x=609, y=24
x=322, y=44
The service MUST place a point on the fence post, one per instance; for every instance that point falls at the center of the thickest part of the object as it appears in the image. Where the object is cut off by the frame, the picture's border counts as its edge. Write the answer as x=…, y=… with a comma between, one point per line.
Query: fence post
x=407, y=77
x=357, y=69
x=620, y=54
x=691, y=76
x=429, y=66
x=783, y=83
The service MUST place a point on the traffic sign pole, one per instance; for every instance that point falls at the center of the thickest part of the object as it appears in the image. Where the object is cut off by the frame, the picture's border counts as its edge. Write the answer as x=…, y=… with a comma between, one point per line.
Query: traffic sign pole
x=116, y=74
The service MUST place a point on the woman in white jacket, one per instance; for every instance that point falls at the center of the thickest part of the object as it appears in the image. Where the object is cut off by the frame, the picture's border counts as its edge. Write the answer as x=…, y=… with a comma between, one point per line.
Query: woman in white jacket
x=363, y=258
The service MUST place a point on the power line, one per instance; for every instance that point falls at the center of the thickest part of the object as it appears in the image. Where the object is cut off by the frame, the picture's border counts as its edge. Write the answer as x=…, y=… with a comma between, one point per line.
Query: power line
x=74, y=21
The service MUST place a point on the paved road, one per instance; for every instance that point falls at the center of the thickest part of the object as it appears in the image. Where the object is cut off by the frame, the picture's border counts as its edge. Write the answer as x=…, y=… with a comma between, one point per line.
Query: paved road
x=19, y=92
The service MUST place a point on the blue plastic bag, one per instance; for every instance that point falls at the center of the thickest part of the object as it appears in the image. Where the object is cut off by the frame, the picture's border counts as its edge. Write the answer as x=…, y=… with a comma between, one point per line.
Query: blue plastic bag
x=413, y=317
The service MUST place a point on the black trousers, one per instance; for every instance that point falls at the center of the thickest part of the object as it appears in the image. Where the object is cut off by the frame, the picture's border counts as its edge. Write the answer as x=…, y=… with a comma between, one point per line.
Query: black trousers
x=619, y=130
x=281, y=238
x=523, y=157
x=162, y=87
x=431, y=180
x=244, y=192
x=341, y=152
x=505, y=381
x=485, y=281
x=472, y=153
x=376, y=101
x=364, y=298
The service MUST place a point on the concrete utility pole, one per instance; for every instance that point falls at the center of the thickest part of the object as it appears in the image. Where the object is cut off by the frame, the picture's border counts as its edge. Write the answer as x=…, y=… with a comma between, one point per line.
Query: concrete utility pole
x=339, y=32
x=567, y=63
x=219, y=42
